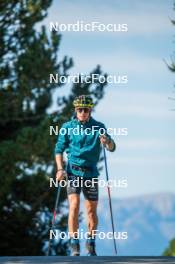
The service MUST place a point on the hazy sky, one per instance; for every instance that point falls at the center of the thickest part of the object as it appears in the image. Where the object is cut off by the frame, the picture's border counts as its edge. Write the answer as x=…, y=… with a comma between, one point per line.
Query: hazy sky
x=146, y=157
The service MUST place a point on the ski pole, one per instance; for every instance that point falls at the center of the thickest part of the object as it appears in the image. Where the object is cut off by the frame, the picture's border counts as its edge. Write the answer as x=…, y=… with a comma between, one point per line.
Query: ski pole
x=109, y=195
x=54, y=215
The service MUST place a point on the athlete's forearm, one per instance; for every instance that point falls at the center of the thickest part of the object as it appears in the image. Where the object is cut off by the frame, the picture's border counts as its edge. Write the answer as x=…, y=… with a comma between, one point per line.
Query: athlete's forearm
x=111, y=145
x=59, y=161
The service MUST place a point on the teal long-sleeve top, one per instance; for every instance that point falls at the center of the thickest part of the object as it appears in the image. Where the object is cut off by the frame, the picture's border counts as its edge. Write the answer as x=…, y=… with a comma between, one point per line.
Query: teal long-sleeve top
x=82, y=144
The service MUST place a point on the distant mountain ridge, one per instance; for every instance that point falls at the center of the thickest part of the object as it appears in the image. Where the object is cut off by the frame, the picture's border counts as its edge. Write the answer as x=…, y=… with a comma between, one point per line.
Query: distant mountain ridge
x=149, y=221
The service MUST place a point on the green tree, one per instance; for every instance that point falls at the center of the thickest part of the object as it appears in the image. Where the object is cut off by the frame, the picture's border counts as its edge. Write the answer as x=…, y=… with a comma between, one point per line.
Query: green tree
x=27, y=57
x=170, y=251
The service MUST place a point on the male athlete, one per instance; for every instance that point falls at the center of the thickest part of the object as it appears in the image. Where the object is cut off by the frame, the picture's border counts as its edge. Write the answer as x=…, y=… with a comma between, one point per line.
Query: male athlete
x=81, y=138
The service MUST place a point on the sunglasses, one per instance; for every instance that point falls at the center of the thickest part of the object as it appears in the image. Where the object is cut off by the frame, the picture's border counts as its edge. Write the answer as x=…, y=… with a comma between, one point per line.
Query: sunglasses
x=83, y=109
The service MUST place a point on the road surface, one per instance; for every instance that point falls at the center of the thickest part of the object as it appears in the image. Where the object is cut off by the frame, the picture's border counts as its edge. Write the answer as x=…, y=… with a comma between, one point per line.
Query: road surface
x=86, y=260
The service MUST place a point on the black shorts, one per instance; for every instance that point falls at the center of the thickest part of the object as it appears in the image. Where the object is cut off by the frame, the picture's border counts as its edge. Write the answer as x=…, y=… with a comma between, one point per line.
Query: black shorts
x=89, y=186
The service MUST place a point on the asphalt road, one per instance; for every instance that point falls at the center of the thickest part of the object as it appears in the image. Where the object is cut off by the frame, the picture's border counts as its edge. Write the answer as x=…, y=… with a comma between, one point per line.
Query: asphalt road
x=86, y=260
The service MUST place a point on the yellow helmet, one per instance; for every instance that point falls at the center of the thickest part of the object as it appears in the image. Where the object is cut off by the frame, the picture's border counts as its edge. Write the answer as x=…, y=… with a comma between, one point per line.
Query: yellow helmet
x=83, y=101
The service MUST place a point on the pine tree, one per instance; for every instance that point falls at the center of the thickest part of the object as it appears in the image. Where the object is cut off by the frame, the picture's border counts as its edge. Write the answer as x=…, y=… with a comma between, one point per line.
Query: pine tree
x=27, y=57
x=170, y=251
